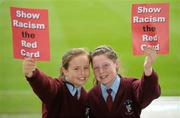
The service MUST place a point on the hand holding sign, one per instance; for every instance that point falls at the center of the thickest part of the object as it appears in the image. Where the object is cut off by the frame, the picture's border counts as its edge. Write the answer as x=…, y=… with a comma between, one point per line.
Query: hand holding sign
x=29, y=65
x=151, y=55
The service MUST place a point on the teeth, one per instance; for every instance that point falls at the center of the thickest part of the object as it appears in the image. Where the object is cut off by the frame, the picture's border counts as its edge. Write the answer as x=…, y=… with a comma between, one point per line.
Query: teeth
x=102, y=77
x=82, y=78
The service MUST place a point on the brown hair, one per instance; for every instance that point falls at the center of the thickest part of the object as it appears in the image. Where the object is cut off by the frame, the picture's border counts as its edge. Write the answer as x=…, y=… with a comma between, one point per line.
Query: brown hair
x=69, y=55
x=104, y=50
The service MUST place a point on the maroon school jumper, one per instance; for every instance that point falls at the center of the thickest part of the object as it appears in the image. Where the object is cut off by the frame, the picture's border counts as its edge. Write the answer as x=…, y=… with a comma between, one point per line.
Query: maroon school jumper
x=133, y=95
x=57, y=100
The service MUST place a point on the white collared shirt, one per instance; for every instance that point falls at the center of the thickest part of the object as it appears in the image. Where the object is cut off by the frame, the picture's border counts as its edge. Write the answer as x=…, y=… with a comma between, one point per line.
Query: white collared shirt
x=73, y=90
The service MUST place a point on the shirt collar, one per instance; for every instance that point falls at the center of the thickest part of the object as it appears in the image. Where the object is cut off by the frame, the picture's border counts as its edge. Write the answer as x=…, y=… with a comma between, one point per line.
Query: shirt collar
x=73, y=89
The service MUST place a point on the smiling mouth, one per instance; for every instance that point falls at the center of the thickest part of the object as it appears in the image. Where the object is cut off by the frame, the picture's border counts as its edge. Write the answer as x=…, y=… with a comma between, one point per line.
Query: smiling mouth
x=82, y=78
x=103, y=77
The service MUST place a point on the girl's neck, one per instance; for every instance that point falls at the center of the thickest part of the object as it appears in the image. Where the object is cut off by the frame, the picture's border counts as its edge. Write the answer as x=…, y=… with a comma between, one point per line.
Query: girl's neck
x=110, y=84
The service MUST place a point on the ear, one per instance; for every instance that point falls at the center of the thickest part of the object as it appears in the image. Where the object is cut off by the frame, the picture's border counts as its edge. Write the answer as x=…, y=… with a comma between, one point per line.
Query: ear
x=65, y=72
x=117, y=65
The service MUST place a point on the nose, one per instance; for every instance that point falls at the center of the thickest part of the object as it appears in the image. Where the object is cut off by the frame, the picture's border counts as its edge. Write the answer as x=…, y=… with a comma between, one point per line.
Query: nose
x=100, y=70
x=82, y=71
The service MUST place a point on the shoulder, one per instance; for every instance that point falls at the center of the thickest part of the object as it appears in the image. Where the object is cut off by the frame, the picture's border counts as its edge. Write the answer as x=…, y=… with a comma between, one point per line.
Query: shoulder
x=59, y=83
x=96, y=90
x=59, y=80
x=83, y=91
x=128, y=80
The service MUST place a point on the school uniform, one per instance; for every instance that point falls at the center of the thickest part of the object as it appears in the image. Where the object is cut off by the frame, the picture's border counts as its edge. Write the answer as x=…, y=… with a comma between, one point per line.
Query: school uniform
x=129, y=97
x=60, y=99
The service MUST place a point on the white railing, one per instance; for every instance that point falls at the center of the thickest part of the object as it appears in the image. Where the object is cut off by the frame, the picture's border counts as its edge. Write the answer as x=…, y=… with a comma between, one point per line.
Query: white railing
x=163, y=107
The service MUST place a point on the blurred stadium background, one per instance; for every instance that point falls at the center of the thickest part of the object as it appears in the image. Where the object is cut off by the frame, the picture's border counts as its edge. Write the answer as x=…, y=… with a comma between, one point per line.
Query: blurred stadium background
x=81, y=23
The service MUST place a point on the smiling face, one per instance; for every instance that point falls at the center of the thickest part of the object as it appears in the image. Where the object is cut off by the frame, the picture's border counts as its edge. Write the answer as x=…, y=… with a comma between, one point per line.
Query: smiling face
x=105, y=69
x=77, y=72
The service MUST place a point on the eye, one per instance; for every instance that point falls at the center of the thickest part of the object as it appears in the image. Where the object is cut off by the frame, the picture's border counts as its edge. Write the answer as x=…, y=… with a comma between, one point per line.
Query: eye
x=95, y=68
x=86, y=67
x=106, y=66
x=76, y=68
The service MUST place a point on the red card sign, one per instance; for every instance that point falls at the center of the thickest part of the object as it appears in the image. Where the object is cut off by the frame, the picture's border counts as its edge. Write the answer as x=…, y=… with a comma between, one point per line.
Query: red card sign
x=30, y=32
x=150, y=27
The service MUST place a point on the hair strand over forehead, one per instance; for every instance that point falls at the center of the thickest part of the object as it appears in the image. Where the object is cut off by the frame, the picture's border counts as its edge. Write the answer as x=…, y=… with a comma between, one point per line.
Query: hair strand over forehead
x=104, y=50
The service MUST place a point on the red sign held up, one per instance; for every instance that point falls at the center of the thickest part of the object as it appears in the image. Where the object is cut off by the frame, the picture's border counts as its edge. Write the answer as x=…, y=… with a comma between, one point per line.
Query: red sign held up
x=150, y=27
x=30, y=32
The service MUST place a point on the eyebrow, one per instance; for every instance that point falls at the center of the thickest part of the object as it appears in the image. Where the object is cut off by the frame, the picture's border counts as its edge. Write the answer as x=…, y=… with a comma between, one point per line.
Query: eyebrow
x=80, y=66
x=102, y=64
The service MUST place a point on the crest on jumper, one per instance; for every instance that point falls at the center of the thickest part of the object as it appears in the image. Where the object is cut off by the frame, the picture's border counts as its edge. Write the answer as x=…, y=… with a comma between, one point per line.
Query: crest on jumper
x=129, y=107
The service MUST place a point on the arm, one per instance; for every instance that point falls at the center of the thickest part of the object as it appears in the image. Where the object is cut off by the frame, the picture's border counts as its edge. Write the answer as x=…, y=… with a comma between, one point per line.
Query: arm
x=45, y=87
x=147, y=88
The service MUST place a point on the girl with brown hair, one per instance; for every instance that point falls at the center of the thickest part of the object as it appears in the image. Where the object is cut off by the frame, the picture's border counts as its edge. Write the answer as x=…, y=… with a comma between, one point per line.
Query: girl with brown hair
x=63, y=97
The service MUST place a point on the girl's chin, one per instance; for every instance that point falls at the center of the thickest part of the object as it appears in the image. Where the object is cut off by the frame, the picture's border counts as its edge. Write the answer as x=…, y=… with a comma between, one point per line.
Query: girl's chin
x=104, y=82
x=81, y=83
